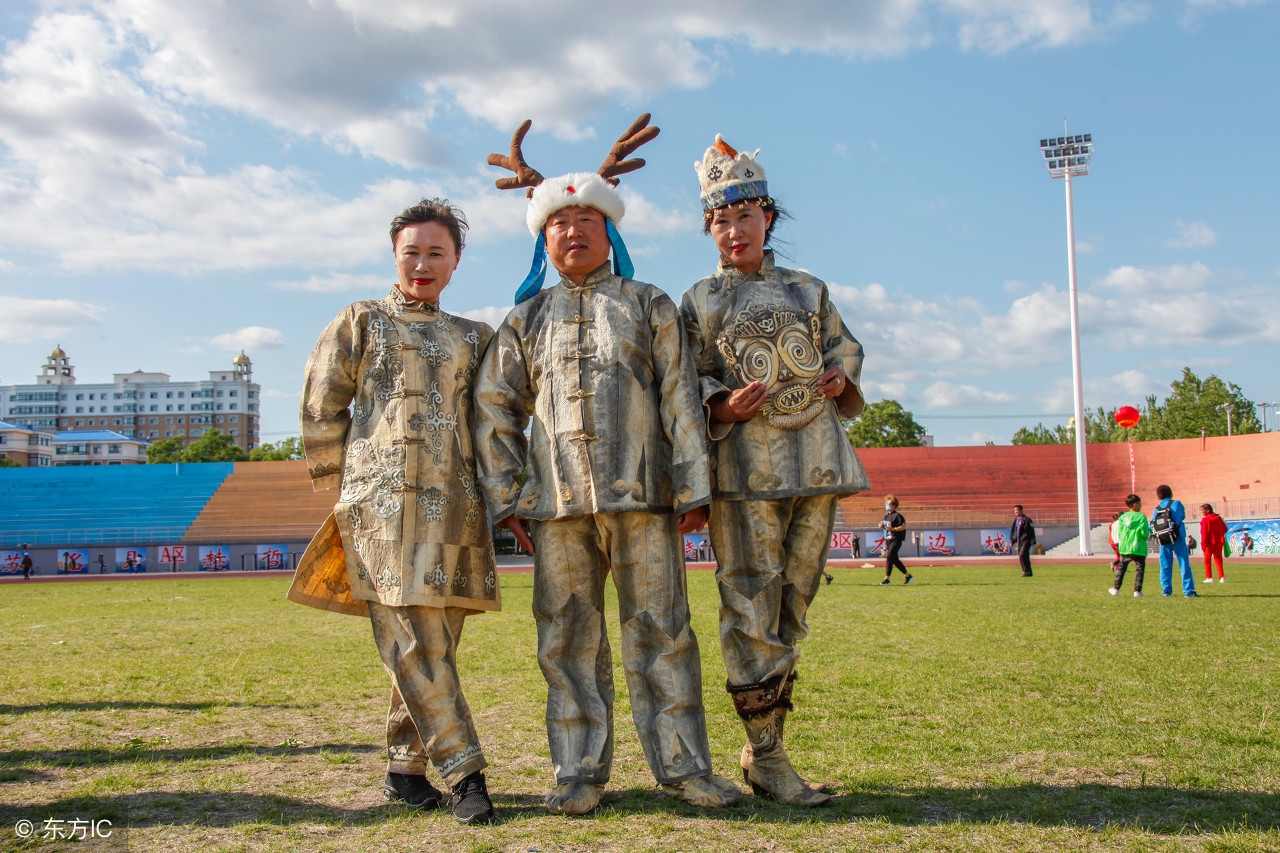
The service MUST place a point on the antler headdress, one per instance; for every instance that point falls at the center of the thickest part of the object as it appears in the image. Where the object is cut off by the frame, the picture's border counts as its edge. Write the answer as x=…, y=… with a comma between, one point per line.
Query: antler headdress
x=586, y=189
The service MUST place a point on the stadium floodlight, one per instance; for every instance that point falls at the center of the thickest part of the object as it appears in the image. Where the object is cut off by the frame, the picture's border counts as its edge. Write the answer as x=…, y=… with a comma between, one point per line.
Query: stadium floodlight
x=1068, y=157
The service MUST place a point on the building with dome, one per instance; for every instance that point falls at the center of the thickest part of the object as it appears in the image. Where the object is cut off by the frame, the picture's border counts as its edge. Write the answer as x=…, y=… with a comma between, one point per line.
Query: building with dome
x=142, y=405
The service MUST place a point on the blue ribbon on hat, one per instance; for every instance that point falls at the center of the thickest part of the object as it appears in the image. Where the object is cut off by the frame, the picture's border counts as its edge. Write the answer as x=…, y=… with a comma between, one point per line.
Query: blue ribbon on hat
x=532, y=284
x=621, y=258
x=537, y=273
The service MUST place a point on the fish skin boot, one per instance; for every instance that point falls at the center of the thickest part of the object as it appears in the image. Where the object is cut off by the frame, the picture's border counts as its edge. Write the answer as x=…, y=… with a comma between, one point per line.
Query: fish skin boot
x=769, y=771
x=573, y=798
x=709, y=791
x=780, y=714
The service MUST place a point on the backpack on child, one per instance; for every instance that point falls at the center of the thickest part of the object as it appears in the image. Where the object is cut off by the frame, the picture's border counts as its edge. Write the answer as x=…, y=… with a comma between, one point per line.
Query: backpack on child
x=1164, y=526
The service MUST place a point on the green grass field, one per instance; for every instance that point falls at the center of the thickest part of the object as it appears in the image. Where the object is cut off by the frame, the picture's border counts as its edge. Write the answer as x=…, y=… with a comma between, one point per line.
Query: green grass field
x=973, y=710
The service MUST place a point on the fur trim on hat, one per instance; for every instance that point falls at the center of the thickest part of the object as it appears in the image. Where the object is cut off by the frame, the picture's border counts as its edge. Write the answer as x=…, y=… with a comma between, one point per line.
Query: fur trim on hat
x=726, y=176
x=586, y=189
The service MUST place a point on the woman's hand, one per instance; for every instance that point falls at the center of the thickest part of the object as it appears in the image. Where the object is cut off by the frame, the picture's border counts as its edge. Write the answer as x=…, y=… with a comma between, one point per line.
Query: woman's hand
x=740, y=405
x=516, y=525
x=833, y=383
x=693, y=520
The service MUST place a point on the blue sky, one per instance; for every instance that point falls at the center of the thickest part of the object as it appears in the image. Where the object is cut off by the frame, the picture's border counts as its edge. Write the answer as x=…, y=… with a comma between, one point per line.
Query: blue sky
x=179, y=182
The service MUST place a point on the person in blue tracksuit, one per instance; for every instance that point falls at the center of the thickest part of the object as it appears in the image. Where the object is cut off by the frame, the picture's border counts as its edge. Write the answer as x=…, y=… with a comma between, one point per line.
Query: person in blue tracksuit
x=1178, y=548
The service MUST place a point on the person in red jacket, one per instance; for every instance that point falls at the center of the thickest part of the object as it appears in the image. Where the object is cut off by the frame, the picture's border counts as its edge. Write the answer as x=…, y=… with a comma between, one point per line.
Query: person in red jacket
x=1213, y=535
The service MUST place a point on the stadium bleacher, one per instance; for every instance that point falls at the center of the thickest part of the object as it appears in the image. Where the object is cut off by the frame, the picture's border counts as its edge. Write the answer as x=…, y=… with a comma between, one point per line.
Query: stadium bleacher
x=101, y=505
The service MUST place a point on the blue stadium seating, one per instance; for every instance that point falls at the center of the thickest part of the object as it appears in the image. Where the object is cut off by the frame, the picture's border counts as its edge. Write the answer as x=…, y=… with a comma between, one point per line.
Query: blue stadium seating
x=100, y=505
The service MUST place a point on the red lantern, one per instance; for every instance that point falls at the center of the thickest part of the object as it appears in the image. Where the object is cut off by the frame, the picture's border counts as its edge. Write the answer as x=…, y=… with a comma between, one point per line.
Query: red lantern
x=1128, y=417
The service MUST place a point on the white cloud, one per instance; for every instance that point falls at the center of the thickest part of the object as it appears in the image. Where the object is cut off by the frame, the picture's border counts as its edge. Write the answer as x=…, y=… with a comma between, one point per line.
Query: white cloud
x=492, y=314
x=942, y=394
x=250, y=338
x=1085, y=248
x=1184, y=303
x=26, y=320
x=646, y=219
x=908, y=330
x=1129, y=387
x=7, y=266
x=873, y=390
x=1192, y=235
x=337, y=283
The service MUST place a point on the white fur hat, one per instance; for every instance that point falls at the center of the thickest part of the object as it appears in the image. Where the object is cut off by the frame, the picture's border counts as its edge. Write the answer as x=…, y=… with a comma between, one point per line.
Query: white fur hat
x=586, y=189
x=727, y=176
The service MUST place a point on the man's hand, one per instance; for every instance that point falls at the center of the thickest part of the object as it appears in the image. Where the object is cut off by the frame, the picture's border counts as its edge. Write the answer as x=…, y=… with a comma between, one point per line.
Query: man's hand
x=516, y=525
x=693, y=520
x=740, y=405
x=833, y=383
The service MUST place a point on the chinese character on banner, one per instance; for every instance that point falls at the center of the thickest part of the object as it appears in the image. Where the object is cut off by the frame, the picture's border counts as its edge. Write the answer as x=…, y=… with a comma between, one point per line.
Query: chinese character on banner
x=10, y=562
x=272, y=557
x=214, y=558
x=72, y=562
x=995, y=542
x=131, y=559
x=173, y=555
x=690, y=548
x=842, y=539
x=876, y=543
x=941, y=543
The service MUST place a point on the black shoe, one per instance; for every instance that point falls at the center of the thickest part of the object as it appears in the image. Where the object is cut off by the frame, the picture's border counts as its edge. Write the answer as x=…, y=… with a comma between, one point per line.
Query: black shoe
x=413, y=790
x=884, y=582
x=1026, y=574
x=908, y=580
x=829, y=578
x=470, y=801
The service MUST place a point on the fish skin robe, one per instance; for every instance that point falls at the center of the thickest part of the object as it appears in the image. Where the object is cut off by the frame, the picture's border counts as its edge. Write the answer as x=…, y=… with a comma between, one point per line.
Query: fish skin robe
x=386, y=416
x=610, y=433
x=778, y=326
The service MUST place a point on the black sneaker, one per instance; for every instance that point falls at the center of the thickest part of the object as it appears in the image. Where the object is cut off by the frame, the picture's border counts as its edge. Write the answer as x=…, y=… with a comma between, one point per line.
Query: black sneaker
x=470, y=801
x=908, y=580
x=413, y=790
x=884, y=582
x=829, y=578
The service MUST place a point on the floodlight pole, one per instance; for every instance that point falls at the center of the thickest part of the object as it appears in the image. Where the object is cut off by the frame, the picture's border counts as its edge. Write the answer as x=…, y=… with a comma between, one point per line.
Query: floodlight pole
x=1264, y=407
x=1064, y=156
x=1077, y=382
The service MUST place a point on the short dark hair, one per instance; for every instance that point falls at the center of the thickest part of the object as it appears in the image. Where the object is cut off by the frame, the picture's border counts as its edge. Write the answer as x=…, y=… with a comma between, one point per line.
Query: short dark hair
x=1017, y=506
x=1132, y=501
x=1164, y=492
x=439, y=210
x=1207, y=507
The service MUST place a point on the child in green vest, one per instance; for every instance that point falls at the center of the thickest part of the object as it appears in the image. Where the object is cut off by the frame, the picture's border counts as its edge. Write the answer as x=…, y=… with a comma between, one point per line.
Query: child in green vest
x=1132, y=532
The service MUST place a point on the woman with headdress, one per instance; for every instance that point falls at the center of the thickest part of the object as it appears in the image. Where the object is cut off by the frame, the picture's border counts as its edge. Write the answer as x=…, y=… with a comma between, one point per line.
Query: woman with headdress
x=777, y=371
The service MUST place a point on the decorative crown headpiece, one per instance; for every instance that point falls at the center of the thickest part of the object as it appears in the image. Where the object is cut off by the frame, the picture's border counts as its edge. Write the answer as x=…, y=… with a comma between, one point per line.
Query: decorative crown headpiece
x=726, y=176
x=586, y=189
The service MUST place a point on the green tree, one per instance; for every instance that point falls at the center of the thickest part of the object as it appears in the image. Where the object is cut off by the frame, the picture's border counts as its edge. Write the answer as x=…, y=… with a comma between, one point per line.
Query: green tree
x=1041, y=434
x=1194, y=404
x=885, y=424
x=290, y=448
x=6, y=462
x=165, y=450
x=214, y=446
x=1197, y=404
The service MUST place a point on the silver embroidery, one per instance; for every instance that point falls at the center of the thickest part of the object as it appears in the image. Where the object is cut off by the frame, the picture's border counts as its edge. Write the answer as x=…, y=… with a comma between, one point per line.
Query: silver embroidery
x=434, y=501
x=432, y=353
x=434, y=421
x=436, y=577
